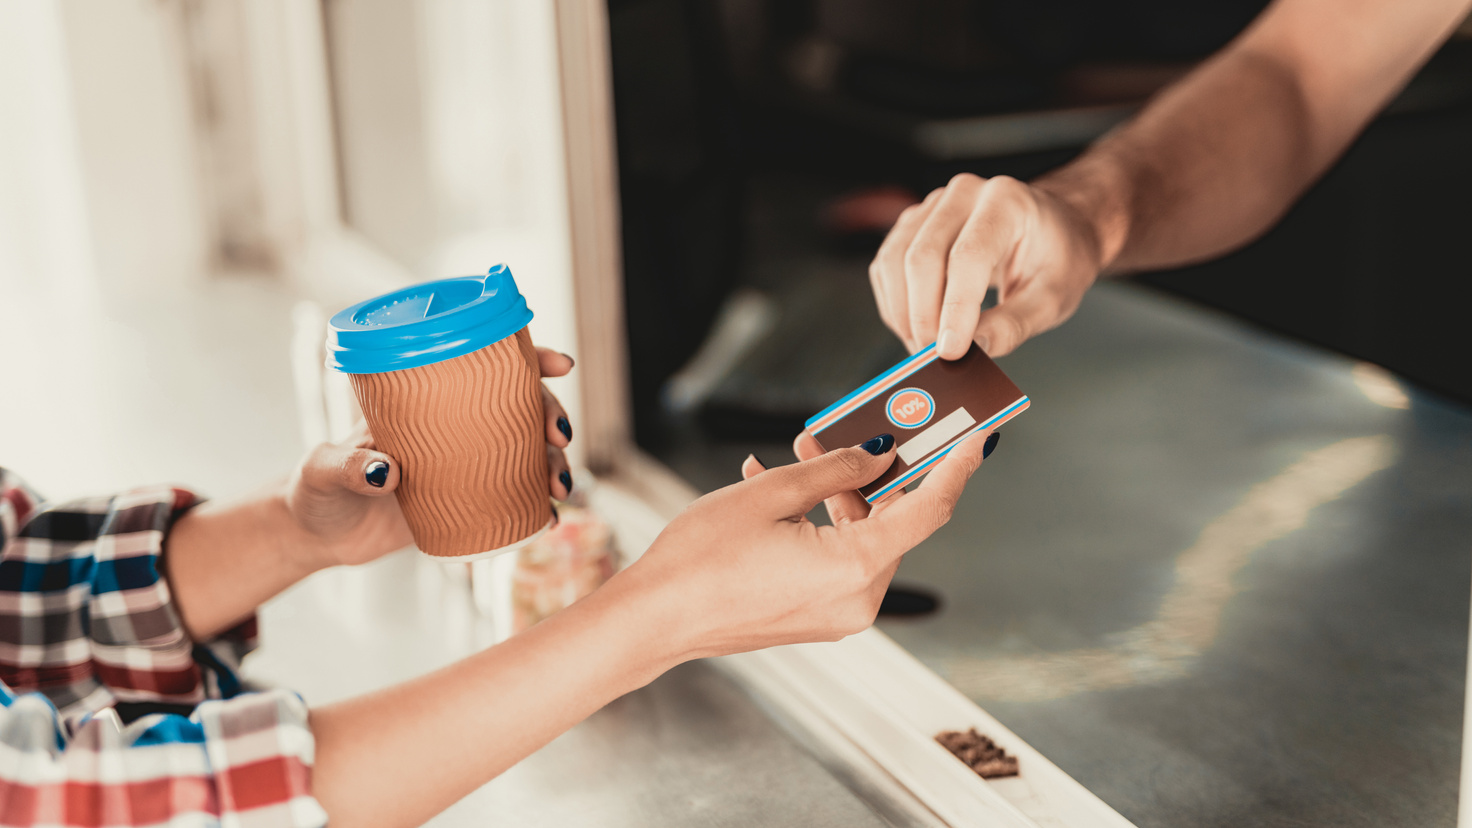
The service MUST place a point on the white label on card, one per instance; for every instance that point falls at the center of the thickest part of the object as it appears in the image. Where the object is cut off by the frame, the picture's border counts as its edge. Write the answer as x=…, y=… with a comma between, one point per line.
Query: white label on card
x=936, y=436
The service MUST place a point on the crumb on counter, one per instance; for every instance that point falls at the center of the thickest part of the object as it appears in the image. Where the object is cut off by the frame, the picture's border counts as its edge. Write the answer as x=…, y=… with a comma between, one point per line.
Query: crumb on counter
x=979, y=753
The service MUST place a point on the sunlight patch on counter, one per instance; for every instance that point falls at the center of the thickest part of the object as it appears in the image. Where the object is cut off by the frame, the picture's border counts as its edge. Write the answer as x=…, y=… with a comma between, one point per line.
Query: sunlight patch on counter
x=1190, y=614
x=1380, y=386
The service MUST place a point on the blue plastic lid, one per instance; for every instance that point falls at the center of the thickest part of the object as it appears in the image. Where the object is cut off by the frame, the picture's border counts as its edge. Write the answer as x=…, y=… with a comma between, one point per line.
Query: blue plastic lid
x=426, y=323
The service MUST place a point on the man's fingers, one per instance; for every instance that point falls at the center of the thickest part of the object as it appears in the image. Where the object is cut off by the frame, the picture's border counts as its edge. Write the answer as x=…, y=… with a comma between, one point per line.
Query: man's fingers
x=794, y=490
x=901, y=525
x=887, y=272
x=986, y=242
x=925, y=261
x=1031, y=310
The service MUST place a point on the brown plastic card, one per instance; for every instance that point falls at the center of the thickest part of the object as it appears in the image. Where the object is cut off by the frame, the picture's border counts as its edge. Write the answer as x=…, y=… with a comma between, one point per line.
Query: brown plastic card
x=928, y=404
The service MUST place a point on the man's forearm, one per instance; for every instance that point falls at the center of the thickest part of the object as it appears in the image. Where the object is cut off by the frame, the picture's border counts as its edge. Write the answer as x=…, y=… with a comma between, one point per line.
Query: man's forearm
x=1209, y=165
x=1218, y=158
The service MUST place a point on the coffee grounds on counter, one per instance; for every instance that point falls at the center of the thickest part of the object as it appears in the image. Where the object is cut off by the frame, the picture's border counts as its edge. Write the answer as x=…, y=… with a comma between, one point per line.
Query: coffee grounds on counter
x=979, y=753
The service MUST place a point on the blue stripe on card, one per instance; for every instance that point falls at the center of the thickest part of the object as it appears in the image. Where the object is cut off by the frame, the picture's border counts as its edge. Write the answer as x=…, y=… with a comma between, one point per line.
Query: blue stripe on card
x=904, y=363
x=920, y=468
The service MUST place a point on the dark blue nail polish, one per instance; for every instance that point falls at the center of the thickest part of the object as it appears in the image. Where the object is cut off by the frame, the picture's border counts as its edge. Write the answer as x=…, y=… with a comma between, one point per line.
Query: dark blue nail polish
x=878, y=445
x=377, y=474
x=565, y=427
x=566, y=478
x=759, y=461
x=991, y=444
x=556, y=518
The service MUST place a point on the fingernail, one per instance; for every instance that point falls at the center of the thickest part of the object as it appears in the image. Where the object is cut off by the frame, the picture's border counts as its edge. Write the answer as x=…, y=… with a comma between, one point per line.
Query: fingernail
x=984, y=344
x=943, y=345
x=878, y=445
x=565, y=427
x=570, y=361
x=566, y=478
x=377, y=474
x=991, y=444
x=556, y=518
x=759, y=461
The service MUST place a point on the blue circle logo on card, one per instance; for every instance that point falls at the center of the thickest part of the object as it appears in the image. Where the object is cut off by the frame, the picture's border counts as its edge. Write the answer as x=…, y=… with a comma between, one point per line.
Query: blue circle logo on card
x=910, y=408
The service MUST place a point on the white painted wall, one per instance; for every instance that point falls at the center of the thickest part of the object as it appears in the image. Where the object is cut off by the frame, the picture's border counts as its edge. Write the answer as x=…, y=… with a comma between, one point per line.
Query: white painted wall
x=101, y=195
x=141, y=173
x=44, y=235
x=98, y=175
x=450, y=122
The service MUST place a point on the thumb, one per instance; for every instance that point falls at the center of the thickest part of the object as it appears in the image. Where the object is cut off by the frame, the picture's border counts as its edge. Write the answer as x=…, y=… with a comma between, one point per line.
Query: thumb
x=912, y=518
x=359, y=470
x=1030, y=311
x=792, y=491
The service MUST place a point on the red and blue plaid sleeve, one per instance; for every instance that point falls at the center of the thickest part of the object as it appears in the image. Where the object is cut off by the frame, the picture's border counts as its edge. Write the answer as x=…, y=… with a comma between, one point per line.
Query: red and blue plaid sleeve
x=90, y=638
x=86, y=617
x=240, y=763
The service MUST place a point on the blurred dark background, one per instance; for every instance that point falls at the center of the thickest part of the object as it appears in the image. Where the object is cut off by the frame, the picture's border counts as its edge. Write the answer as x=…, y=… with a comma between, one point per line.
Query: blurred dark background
x=764, y=145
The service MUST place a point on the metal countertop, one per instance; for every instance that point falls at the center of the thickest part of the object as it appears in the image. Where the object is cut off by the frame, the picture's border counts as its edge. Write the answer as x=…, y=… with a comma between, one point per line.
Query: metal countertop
x=691, y=749
x=1217, y=576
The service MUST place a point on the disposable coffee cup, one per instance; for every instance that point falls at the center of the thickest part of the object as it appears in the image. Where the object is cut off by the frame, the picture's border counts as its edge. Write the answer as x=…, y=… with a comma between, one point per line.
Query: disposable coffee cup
x=448, y=380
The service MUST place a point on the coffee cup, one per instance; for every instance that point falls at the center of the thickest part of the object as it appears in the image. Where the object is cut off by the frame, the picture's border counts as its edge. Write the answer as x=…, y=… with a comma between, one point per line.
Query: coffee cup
x=448, y=379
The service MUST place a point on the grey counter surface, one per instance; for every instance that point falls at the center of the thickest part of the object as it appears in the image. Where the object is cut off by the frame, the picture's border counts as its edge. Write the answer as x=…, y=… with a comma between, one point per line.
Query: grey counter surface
x=1220, y=578
x=691, y=749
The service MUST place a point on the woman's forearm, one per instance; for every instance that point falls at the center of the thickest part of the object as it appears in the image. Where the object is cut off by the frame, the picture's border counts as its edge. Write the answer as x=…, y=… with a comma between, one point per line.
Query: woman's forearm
x=1217, y=159
x=398, y=756
x=223, y=560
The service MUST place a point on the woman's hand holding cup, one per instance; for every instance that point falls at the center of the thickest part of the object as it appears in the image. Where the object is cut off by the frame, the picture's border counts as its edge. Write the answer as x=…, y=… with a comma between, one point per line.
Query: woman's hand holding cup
x=340, y=496
x=559, y=429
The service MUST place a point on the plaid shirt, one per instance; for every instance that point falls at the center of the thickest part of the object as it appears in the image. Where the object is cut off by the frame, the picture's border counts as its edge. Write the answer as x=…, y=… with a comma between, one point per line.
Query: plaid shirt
x=109, y=714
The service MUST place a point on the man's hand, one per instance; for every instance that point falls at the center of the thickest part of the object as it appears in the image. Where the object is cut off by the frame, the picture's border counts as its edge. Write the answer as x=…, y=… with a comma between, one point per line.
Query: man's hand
x=1210, y=164
x=934, y=268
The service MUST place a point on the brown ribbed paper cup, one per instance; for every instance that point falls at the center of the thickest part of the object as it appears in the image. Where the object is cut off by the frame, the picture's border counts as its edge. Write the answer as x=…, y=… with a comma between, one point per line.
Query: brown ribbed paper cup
x=467, y=431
